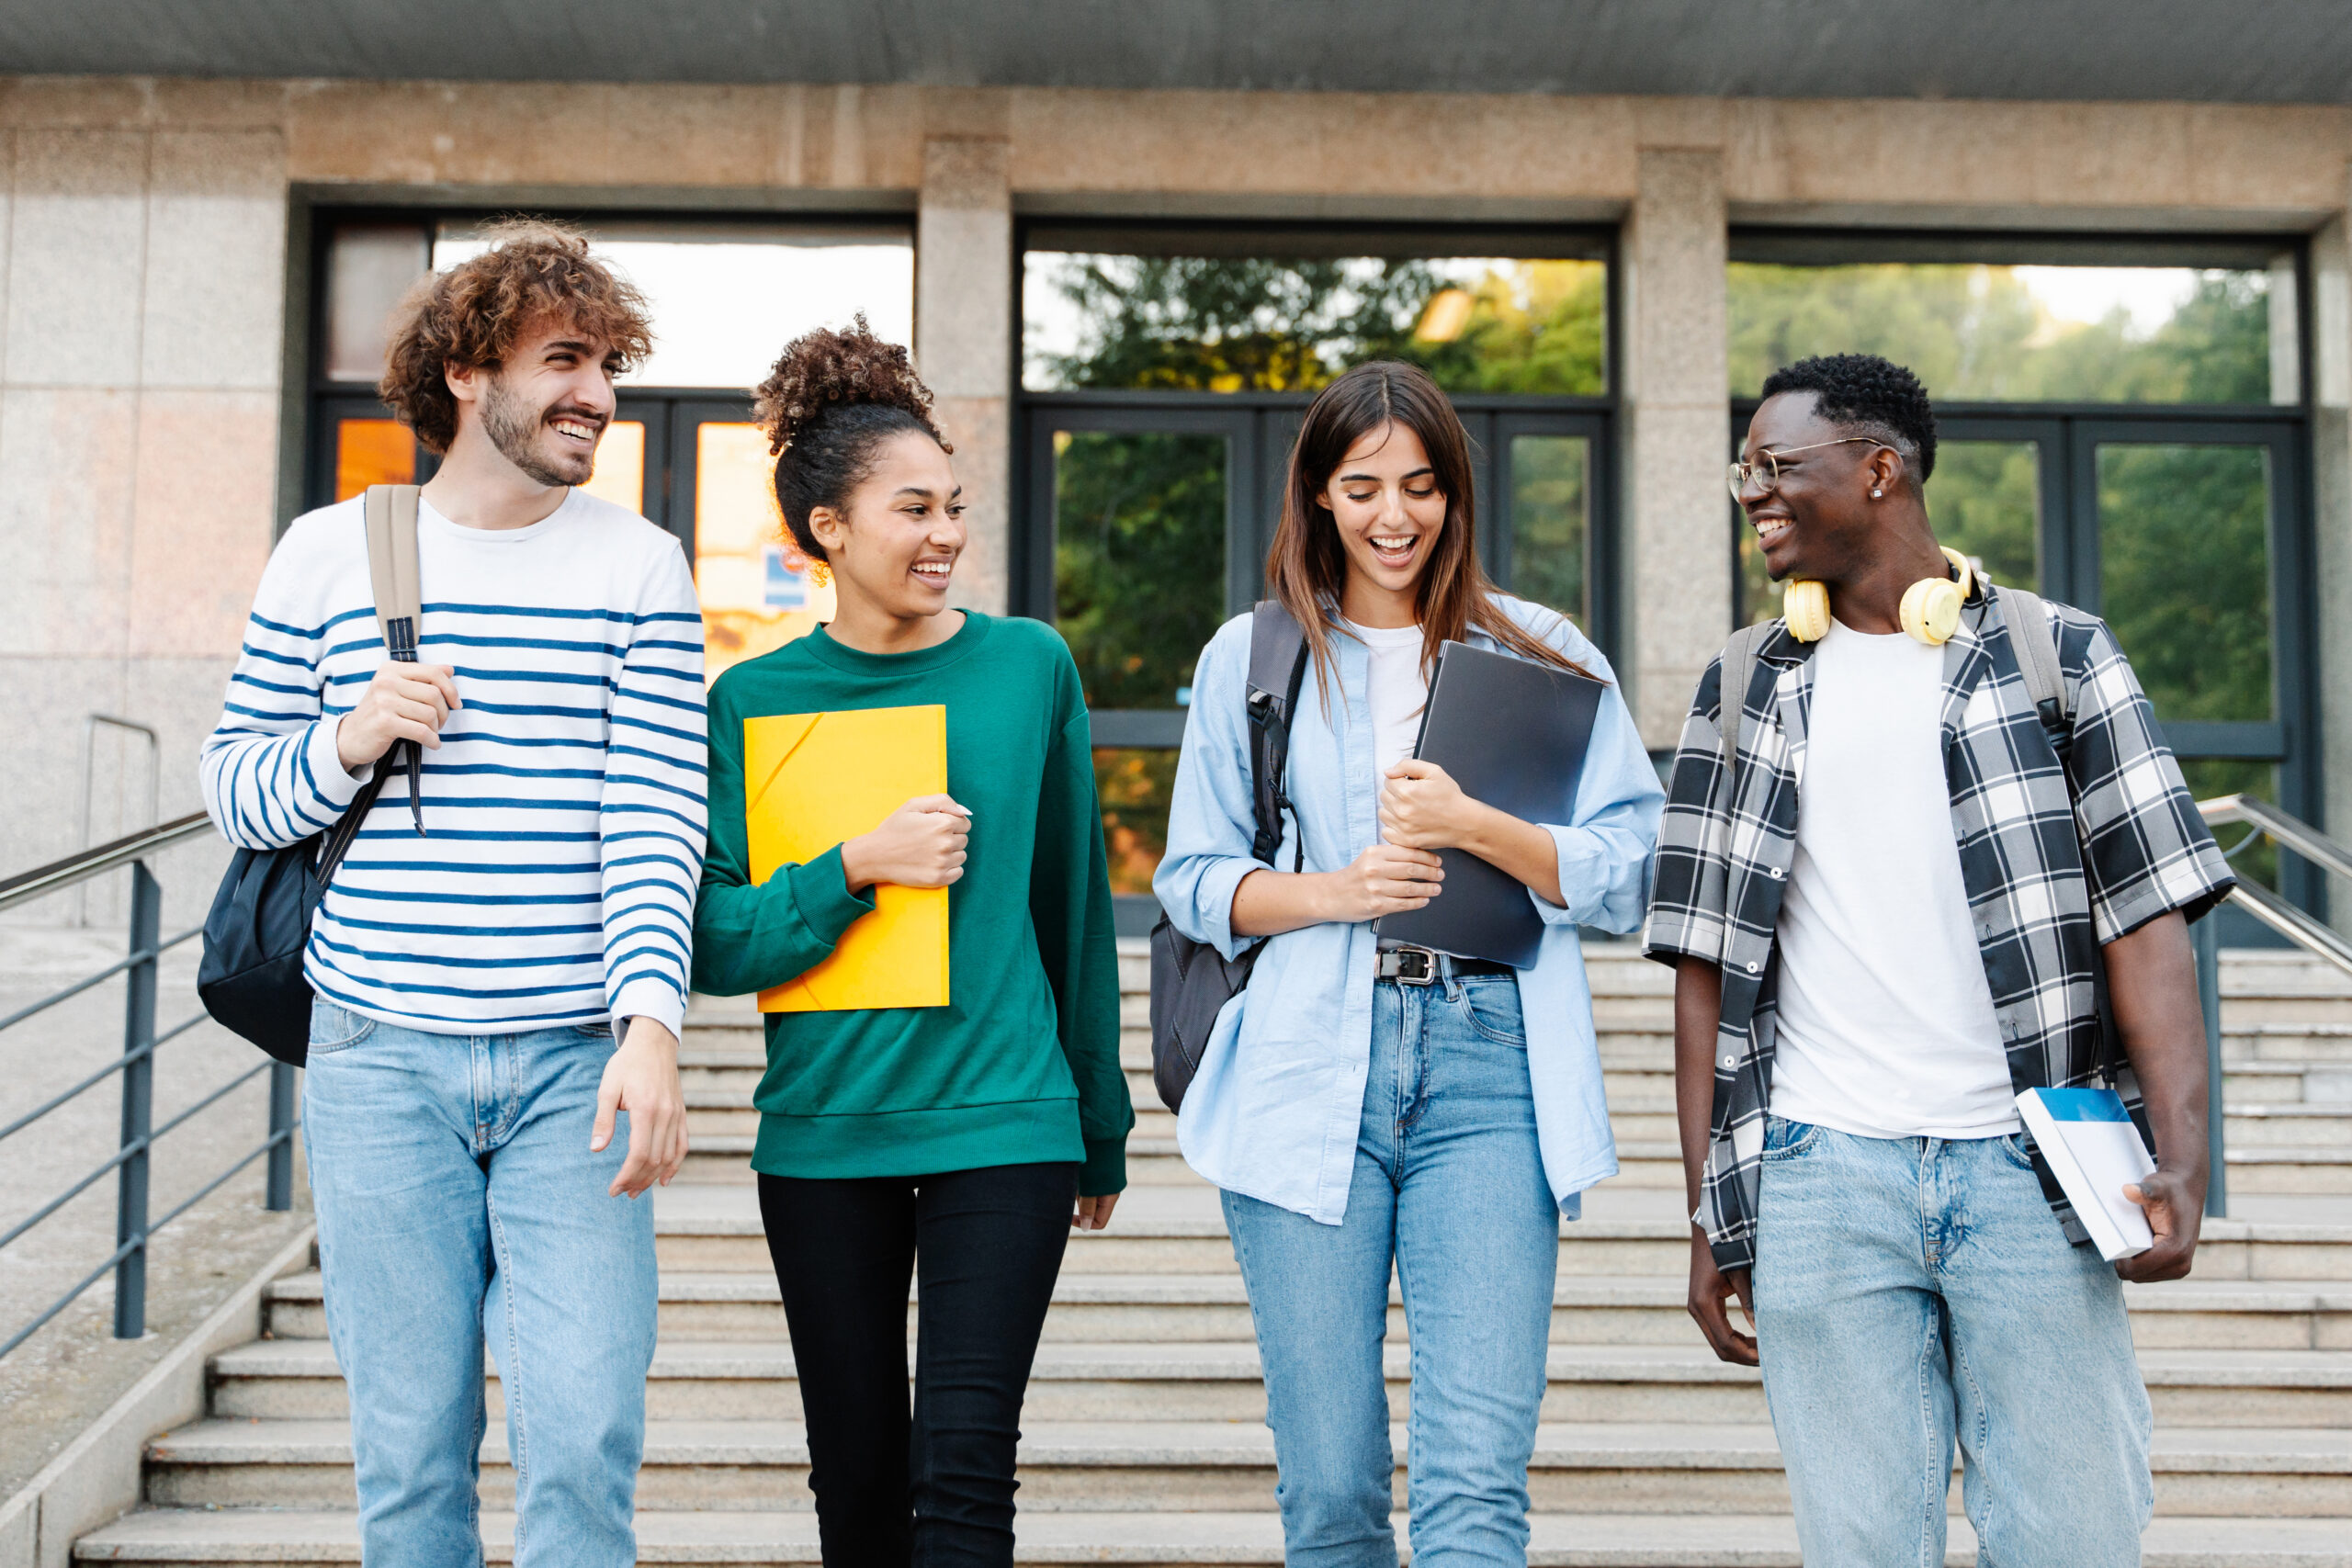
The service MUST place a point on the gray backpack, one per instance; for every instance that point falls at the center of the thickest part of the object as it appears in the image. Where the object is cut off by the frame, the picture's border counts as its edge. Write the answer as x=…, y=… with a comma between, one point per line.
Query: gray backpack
x=1191, y=981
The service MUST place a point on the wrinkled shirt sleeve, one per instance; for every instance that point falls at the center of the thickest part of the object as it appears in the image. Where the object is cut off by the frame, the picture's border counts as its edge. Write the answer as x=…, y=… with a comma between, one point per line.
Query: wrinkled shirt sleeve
x=1605, y=852
x=1210, y=818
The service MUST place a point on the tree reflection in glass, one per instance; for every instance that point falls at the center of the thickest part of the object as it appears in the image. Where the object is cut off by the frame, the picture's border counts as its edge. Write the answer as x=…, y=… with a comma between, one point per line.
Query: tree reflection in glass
x=1255, y=324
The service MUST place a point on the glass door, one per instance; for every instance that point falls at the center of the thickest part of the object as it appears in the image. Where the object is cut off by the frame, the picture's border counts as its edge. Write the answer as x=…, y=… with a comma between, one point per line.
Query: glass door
x=1142, y=558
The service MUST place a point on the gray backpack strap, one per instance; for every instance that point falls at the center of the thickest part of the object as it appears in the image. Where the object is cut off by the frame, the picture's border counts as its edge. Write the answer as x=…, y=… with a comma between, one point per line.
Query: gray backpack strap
x=2036, y=642
x=1731, y=697
x=1277, y=662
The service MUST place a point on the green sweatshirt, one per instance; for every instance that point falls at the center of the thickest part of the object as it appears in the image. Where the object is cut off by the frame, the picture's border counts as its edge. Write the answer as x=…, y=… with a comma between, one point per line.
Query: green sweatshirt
x=1022, y=1067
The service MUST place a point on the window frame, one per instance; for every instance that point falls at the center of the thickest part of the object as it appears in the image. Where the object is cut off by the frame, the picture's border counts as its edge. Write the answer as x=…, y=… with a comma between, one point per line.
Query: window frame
x=319, y=402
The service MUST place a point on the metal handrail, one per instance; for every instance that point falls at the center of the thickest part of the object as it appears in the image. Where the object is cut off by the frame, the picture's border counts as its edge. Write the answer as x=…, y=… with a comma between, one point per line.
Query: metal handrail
x=84, y=864
x=91, y=725
x=136, y=1067
x=2293, y=834
x=2288, y=832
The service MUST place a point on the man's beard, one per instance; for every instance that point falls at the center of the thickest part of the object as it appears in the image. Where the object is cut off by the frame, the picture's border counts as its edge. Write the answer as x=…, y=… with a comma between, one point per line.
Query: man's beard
x=514, y=427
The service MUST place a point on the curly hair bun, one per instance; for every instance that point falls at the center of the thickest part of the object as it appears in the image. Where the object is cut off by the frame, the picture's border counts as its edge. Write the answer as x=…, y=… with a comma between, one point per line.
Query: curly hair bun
x=825, y=369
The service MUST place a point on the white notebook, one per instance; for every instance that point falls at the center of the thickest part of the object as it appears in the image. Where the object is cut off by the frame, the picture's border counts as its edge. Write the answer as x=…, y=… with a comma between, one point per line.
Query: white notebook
x=2091, y=1145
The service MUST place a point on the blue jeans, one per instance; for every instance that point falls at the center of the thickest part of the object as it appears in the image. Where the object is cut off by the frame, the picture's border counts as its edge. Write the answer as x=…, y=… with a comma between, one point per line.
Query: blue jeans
x=1449, y=1185
x=1911, y=1289
x=456, y=1193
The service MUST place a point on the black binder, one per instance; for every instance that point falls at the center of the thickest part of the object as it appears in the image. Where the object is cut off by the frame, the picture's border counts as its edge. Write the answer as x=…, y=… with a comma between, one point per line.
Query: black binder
x=1513, y=734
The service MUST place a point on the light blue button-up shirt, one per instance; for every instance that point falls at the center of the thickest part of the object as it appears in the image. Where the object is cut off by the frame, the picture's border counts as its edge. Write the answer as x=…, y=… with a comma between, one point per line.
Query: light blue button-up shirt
x=1273, y=1112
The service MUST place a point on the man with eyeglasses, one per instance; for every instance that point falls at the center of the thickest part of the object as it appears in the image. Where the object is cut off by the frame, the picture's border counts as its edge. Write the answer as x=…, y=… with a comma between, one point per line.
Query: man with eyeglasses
x=1886, y=917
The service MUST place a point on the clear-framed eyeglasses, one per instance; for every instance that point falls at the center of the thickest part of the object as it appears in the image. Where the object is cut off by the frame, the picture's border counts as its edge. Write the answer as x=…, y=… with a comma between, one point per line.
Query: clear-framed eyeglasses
x=1766, y=470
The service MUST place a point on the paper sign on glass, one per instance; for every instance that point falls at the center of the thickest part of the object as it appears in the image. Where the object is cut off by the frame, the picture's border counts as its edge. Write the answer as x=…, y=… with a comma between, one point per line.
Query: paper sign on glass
x=813, y=779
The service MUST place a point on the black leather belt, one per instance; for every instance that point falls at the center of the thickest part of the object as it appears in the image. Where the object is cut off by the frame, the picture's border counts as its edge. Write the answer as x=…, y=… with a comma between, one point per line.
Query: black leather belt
x=1422, y=967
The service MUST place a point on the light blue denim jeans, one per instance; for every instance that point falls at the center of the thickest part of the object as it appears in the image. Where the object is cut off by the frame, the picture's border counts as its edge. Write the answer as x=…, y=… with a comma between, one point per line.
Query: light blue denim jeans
x=1909, y=1291
x=1449, y=1186
x=456, y=1199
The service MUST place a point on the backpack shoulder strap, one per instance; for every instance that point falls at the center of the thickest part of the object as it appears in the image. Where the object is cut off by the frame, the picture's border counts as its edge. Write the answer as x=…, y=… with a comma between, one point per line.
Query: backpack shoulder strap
x=391, y=566
x=1731, y=697
x=1277, y=664
x=2036, y=642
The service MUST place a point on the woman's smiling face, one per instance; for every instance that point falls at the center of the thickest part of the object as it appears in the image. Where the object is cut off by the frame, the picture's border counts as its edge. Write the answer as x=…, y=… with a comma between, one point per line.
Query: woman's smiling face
x=1385, y=499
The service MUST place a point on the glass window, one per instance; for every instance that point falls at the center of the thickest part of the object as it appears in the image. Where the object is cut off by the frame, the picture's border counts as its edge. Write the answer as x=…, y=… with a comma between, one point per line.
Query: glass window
x=726, y=298
x=754, y=584
x=1262, y=313
x=1139, y=526
x=1983, y=333
x=2185, y=574
x=1133, y=786
x=372, y=452
x=1551, y=519
x=1984, y=500
x=369, y=267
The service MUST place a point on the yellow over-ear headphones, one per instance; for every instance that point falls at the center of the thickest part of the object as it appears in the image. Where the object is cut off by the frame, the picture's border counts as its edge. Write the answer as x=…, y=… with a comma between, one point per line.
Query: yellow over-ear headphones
x=1929, y=612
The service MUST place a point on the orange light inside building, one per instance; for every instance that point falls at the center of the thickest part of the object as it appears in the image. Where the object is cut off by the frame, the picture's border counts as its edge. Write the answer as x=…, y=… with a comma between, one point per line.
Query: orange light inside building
x=756, y=595
x=372, y=452
x=619, y=476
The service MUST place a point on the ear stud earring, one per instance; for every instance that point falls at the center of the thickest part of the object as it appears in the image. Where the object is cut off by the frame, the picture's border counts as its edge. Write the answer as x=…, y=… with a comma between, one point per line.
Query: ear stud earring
x=1876, y=494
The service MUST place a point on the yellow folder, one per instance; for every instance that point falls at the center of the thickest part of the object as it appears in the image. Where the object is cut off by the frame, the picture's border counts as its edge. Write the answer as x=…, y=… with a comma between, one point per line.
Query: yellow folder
x=813, y=779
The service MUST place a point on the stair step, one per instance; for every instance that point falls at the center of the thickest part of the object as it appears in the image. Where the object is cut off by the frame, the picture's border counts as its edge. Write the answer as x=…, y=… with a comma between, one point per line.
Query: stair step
x=1219, y=1380
x=1117, y=1465
x=236, y=1538
x=1212, y=1308
x=1627, y=1230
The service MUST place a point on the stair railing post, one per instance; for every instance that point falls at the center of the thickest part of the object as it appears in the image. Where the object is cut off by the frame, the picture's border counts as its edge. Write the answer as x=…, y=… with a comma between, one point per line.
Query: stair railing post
x=281, y=1137
x=2207, y=935
x=138, y=1105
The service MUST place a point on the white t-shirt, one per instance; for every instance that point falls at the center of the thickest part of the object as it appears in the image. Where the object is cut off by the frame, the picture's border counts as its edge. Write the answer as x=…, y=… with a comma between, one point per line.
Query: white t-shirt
x=1886, y=1024
x=1397, y=693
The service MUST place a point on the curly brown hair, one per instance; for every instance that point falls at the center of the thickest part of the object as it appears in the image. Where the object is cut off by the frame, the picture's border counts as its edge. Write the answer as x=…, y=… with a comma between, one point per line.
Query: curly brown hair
x=472, y=314
x=832, y=399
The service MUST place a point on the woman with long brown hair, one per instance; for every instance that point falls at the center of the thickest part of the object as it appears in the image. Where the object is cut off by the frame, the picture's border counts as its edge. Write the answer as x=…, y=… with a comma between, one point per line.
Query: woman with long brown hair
x=1365, y=1106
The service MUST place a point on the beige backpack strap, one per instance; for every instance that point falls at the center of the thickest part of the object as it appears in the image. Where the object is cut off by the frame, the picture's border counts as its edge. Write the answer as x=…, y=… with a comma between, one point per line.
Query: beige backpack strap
x=391, y=566
x=392, y=576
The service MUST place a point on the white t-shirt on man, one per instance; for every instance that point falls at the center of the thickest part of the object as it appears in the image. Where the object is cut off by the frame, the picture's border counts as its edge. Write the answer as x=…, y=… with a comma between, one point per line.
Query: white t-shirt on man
x=1397, y=693
x=1887, y=1026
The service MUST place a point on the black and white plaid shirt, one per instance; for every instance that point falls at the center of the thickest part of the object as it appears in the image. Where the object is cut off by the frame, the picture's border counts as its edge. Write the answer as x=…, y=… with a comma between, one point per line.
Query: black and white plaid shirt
x=2058, y=857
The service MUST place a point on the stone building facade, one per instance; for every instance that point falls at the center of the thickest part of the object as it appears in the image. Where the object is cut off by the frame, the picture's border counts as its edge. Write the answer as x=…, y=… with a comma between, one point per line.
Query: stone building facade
x=155, y=277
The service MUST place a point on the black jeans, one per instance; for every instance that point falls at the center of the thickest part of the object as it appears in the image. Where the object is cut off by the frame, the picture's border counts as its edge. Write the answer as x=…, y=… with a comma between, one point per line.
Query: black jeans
x=937, y=1488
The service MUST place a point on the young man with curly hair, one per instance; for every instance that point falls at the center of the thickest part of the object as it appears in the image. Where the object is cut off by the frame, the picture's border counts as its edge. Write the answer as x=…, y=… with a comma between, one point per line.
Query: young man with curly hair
x=1887, y=917
x=476, y=1131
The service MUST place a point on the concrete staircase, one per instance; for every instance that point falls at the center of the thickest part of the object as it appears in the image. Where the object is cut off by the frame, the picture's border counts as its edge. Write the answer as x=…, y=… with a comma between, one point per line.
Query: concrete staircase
x=1144, y=1440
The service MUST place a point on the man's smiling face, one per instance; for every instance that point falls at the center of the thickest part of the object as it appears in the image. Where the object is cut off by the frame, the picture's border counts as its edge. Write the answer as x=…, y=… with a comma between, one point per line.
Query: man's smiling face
x=1811, y=522
x=547, y=406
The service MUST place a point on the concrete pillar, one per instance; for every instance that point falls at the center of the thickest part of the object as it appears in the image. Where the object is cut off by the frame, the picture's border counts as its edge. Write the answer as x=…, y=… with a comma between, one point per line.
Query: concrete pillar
x=144, y=274
x=964, y=341
x=2331, y=373
x=1677, y=393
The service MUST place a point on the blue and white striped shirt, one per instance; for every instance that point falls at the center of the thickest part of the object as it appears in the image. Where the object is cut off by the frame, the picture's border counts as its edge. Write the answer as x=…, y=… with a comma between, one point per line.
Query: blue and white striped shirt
x=564, y=807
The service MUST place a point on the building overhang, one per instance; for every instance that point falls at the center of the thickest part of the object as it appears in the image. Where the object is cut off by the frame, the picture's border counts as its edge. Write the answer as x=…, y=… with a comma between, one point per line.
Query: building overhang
x=2194, y=50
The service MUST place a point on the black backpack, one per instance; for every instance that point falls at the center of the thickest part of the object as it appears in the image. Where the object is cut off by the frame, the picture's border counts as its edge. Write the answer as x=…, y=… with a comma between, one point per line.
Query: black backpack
x=251, y=979
x=1191, y=981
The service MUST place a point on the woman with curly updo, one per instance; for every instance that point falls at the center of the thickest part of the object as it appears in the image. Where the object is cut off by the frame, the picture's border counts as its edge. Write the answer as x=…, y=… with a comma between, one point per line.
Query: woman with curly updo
x=965, y=1139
